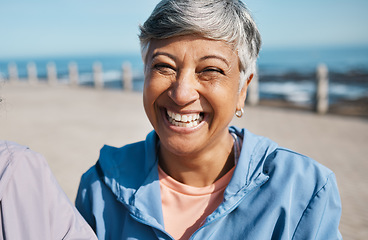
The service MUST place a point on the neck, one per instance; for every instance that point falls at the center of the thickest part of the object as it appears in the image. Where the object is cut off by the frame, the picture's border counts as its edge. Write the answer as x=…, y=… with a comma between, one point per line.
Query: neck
x=199, y=169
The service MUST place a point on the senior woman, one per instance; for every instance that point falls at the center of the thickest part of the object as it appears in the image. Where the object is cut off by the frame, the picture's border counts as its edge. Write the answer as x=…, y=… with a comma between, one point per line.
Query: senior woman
x=194, y=177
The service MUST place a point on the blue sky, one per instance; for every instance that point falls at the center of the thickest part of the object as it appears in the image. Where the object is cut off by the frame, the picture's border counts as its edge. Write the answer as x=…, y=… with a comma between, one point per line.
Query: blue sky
x=40, y=28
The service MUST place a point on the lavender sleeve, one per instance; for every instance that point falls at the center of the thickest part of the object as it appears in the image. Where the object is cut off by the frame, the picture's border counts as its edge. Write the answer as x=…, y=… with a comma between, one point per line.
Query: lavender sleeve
x=33, y=205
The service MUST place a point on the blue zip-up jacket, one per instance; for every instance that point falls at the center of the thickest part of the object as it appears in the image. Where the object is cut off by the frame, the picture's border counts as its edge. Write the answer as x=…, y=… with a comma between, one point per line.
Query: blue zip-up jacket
x=274, y=193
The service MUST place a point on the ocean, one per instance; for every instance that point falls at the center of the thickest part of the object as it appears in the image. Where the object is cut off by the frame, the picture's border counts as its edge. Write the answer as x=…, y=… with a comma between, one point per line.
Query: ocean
x=287, y=74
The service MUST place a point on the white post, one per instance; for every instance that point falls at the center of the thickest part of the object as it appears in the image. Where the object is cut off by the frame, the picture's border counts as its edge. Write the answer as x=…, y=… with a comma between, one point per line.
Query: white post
x=97, y=75
x=73, y=74
x=127, y=76
x=51, y=73
x=32, y=72
x=322, y=89
x=253, y=90
x=2, y=79
x=13, y=72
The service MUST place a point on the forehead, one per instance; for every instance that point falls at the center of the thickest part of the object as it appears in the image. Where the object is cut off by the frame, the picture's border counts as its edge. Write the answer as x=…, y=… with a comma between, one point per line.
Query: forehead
x=193, y=45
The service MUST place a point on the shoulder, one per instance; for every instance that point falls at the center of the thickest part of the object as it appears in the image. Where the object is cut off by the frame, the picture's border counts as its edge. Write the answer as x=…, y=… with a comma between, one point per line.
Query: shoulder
x=283, y=166
x=117, y=170
x=123, y=165
x=9, y=147
x=115, y=162
x=28, y=190
x=113, y=156
x=19, y=164
x=296, y=166
x=15, y=157
x=304, y=180
x=310, y=190
x=294, y=184
x=280, y=161
x=11, y=151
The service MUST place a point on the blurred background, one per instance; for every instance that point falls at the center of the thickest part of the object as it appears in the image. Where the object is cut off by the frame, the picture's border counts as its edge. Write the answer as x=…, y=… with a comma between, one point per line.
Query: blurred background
x=297, y=36
x=87, y=38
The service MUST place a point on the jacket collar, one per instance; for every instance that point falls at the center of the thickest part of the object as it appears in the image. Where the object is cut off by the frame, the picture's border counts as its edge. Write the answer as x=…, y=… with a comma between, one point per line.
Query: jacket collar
x=250, y=170
x=132, y=175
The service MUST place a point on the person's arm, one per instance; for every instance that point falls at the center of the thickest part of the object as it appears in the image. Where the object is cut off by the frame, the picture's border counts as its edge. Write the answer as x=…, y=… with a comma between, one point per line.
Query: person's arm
x=33, y=205
x=321, y=218
x=66, y=221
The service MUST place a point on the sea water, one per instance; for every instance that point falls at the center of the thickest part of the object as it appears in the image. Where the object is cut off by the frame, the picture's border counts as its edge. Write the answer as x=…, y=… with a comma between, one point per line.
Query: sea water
x=287, y=73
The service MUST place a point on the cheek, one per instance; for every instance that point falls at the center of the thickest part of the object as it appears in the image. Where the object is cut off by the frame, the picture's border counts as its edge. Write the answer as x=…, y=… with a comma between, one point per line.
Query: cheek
x=153, y=89
x=229, y=92
x=224, y=101
x=150, y=88
x=148, y=98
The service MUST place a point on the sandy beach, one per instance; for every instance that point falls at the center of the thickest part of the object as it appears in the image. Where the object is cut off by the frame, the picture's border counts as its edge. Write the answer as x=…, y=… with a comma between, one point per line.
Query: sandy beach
x=69, y=126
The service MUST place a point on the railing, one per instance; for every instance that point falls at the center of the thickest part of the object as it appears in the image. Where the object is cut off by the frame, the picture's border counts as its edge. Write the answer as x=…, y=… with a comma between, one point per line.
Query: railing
x=321, y=97
x=73, y=76
x=320, y=103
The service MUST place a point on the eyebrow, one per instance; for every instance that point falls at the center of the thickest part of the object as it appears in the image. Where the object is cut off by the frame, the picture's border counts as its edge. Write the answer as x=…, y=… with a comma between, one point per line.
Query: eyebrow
x=202, y=58
x=164, y=54
x=216, y=57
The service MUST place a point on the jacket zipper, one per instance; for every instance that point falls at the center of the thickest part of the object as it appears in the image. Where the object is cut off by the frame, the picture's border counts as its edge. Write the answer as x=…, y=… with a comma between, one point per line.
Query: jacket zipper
x=226, y=212
x=149, y=224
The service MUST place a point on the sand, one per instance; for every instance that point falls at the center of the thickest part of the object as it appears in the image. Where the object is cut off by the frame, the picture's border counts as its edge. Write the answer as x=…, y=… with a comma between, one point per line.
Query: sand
x=69, y=126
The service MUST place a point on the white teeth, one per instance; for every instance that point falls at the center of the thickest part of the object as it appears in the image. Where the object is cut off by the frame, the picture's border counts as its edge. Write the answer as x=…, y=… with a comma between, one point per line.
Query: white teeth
x=178, y=117
x=185, y=120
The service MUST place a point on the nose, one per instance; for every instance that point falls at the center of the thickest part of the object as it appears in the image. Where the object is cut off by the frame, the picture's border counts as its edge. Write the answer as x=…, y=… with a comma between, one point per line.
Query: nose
x=184, y=90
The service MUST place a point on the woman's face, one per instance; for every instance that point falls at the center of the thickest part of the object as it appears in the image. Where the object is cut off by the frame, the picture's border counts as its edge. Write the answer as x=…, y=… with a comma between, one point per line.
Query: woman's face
x=191, y=92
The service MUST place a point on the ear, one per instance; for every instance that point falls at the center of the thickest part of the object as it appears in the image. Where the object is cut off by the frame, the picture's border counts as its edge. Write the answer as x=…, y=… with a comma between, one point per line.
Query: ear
x=243, y=93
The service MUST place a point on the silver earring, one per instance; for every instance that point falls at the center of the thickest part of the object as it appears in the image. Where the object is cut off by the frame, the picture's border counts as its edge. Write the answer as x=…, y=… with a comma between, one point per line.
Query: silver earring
x=239, y=113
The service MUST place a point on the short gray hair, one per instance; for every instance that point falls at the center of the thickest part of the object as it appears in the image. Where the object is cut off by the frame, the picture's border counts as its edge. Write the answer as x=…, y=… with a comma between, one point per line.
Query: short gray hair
x=225, y=20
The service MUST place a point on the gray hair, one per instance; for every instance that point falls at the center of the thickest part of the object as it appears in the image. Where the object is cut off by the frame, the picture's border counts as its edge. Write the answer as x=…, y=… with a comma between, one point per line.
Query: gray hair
x=225, y=20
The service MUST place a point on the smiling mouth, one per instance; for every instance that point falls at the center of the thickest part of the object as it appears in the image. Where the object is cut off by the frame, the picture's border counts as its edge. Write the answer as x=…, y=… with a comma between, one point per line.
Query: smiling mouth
x=184, y=120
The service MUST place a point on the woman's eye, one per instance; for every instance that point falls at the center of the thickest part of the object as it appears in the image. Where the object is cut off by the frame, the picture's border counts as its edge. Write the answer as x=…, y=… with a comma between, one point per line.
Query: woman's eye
x=213, y=70
x=164, y=68
x=211, y=73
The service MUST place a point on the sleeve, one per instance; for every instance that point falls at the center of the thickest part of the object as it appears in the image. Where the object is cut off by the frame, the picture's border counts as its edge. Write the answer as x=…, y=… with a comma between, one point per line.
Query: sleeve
x=35, y=206
x=321, y=218
x=66, y=221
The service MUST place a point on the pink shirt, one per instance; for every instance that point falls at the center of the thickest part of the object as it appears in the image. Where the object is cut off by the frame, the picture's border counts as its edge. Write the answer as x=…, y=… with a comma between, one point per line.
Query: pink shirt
x=185, y=208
